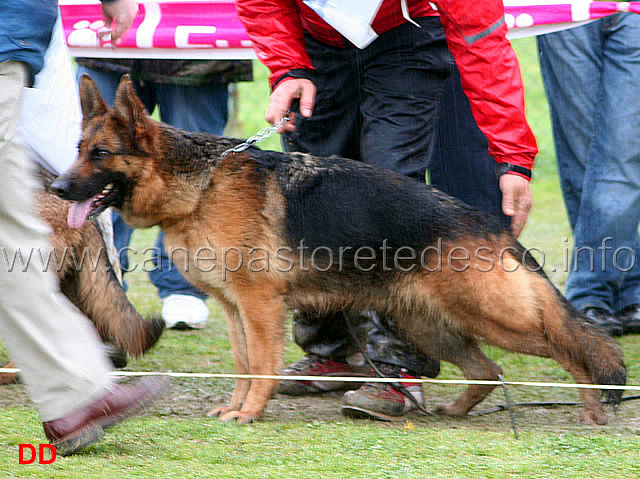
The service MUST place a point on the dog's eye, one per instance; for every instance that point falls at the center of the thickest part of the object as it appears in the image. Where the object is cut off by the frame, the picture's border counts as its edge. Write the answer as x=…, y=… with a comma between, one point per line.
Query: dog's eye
x=99, y=154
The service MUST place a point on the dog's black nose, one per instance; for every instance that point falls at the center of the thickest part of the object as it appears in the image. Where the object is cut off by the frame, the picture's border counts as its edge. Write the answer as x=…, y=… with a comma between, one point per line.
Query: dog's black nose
x=61, y=186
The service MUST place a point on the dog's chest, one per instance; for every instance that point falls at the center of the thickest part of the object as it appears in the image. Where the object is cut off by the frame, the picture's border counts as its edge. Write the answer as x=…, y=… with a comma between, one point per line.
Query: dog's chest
x=201, y=259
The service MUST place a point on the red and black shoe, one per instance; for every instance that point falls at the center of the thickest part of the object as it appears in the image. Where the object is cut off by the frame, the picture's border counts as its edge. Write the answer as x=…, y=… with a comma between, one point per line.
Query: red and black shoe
x=382, y=401
x=312, y=365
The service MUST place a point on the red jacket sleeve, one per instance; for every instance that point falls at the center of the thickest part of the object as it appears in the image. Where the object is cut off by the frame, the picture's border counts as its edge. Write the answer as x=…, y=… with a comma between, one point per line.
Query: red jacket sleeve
x=490, y=73
x=275, y=29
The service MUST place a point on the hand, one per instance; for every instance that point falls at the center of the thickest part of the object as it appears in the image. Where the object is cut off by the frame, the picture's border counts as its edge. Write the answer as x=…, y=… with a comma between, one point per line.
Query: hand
x=283, y=97
x=119, y=16
x=516, y=200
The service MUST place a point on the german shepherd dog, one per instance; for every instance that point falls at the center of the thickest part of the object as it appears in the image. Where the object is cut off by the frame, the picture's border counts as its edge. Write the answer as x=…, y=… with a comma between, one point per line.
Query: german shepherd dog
x=291, y=230
x=88, y=280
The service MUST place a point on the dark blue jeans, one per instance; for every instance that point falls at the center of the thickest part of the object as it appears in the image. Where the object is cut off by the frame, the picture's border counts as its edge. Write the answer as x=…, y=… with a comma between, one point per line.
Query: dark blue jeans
x=397, y=104
x=591, y=75
x=202, y=109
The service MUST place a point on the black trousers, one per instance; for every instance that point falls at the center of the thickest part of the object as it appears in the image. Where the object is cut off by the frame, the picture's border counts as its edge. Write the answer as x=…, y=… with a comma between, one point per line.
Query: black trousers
x=397, y=104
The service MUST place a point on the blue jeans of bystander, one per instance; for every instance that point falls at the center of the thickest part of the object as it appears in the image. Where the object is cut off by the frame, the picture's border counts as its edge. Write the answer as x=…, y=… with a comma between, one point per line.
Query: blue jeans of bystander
x=591, y=74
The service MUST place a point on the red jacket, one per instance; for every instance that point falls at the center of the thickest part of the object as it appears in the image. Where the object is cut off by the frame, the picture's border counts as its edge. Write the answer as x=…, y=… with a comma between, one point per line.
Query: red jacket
x=475, y=33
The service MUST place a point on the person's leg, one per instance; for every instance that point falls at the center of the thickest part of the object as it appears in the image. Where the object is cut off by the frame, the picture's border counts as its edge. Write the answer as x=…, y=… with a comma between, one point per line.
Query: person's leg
x=121, y=238
x=404, y=74
x=200, y=109
x=166, y=277
x=398, y=130
x=461, y=165
x=331, y=130
x=362, y=115
x=571, y=66
x=204, y=109
x=610, y=206
x=108, y=82
x=586, y=72
x=56, y=348
x=334, y=127
x=571, y=62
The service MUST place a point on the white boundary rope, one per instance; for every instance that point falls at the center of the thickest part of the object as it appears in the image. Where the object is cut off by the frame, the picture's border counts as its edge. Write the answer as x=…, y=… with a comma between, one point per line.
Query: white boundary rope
x=359, y=379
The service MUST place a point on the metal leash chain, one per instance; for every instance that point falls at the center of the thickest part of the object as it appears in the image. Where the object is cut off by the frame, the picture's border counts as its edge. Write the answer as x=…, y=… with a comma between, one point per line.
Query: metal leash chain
x=260, y=136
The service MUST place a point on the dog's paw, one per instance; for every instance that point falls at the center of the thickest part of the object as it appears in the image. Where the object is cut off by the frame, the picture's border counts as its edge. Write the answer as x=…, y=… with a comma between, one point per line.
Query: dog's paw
x=449, y=410
x=228, y=413
x=239, y=416
x=593, y=417
x=221, y=411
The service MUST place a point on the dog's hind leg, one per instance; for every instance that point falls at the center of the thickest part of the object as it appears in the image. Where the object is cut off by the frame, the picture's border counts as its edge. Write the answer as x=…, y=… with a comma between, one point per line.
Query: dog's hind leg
x=593, y=412
x=518, y=309
x=474, y=364
x=550, y=327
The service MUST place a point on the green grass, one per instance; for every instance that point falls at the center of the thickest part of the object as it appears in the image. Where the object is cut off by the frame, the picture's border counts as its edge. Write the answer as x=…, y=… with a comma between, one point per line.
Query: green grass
x=169, y=448
x=308, y=438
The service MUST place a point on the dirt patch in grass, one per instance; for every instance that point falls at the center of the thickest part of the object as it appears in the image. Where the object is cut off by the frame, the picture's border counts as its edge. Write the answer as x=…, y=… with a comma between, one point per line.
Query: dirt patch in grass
x=193, y=398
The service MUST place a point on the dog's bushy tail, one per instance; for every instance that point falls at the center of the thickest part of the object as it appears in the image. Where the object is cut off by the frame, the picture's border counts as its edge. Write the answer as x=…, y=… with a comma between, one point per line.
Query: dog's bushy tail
x=122, y=325
x=113, y=315
x=569, y=332
x=97, y=292
x=596, y=350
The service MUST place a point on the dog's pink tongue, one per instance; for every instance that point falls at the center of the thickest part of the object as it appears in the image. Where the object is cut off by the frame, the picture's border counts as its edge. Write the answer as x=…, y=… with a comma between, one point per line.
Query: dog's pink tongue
x=78, y=213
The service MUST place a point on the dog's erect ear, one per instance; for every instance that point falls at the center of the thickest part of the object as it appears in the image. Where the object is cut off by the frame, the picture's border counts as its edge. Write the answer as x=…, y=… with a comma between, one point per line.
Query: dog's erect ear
x=126, y=103
x=90, y=100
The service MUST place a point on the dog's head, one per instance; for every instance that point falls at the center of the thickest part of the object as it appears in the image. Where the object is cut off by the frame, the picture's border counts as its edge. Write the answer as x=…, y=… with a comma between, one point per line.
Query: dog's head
x=114, y=153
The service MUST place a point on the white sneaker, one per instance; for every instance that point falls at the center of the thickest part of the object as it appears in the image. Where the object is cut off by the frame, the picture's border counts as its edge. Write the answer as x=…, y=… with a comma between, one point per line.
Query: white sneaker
x=181, y=311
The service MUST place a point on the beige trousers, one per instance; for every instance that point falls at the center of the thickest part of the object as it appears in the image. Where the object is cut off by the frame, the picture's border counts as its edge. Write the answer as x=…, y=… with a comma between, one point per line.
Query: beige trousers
x=59, y=353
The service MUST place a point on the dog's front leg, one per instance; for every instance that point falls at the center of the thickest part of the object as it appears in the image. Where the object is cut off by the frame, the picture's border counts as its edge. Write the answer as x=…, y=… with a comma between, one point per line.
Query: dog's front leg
x=240, y=359
x=263, y=313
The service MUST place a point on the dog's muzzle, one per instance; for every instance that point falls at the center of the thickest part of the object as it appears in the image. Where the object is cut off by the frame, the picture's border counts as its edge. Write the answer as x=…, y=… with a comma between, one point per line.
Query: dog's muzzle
x=61, y=186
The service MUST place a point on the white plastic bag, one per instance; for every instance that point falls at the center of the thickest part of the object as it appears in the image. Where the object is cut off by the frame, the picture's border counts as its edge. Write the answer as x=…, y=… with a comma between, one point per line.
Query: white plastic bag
x=51, y=118
x=51, y=123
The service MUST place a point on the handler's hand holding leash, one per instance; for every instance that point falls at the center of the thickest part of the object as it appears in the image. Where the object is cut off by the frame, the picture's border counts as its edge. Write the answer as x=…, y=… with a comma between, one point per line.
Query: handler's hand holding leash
x=282, y=98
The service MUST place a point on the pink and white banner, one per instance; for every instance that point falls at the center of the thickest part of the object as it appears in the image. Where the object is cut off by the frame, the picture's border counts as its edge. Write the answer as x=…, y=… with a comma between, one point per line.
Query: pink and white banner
x=210, y=29
x=530, y=17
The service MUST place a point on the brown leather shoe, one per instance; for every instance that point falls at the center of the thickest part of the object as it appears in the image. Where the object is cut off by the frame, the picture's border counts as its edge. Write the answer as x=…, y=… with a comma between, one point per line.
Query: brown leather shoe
x=80, y=428
x=9, y=378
